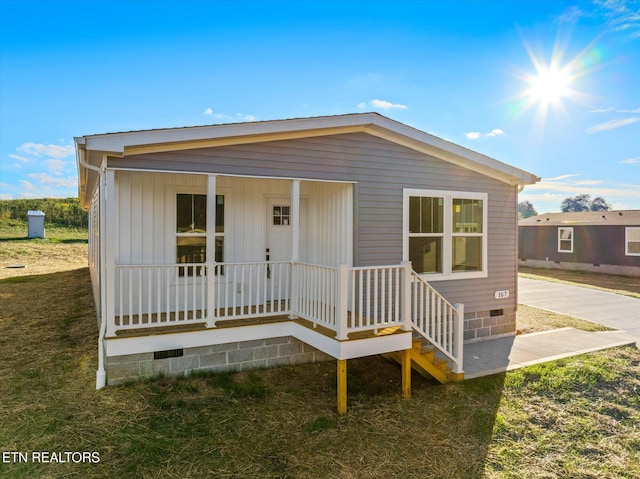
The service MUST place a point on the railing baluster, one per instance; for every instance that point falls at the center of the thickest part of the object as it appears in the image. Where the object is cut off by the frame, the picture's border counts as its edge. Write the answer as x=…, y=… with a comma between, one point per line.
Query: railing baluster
x=120, y=298
x=149, y=286
x=360, y=300
x=375, y=317
x=263, y=280
x=130, y=296
x=383, y=297
x=397, y=296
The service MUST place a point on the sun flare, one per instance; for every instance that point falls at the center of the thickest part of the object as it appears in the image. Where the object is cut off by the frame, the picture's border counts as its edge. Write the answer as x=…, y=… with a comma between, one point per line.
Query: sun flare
x=550, y=85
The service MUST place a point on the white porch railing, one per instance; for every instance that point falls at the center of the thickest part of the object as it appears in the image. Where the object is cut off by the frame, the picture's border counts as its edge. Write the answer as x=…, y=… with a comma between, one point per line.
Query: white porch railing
x=159, y=295
x=378, y=297
x=344, y=300
x=437, y=320
x=248, y=290
x=315, y=294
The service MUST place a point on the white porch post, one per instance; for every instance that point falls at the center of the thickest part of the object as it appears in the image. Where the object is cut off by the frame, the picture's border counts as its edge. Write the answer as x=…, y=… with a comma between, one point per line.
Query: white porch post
x=211, y=249
x=295, y=220
x=108, y=236
x=342, y=303
x=458, y=346
x=295, y=246
x=407, y=323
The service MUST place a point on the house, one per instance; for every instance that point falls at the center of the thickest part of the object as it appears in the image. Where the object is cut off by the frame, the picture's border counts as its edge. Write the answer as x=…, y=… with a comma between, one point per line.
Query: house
x=265, y=243
x=604, y=241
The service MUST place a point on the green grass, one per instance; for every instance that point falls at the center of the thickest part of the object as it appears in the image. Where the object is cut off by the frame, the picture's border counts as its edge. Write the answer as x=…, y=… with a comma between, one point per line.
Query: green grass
x=12, y=230
x=576, y=417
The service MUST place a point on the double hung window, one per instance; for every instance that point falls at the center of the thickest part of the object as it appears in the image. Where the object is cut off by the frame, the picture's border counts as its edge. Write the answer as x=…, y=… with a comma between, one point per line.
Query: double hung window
x=565, y=240
x=445, y=233
x=632, y=241
x=191, y=231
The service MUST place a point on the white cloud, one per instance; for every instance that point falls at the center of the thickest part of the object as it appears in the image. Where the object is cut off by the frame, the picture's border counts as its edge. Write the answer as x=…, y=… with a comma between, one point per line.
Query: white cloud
x=621, y=15
x=588, y=182
x=602, y=110
x=238, y=117
x=561, y=177
x=608, y=190
x=612, y=125
x=55, y=166
x=571, y=15
x=19, y=158
x=38, y=150
x=637, y=110
x=631, y=161
x=27, y=185
x=386, y=105
x=48, y=181
x=362, y=105
x=474, y=135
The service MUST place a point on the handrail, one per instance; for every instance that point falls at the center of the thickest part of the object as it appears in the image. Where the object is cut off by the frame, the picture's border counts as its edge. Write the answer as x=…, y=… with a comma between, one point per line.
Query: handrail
x=437, y=320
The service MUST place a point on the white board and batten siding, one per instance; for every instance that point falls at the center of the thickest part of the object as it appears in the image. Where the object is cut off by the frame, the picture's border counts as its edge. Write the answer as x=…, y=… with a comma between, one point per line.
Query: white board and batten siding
x=380, y=170
x=146, y=224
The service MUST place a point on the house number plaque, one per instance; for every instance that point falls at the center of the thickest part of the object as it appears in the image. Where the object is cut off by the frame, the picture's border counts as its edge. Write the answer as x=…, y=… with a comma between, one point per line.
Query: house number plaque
x=504, y=294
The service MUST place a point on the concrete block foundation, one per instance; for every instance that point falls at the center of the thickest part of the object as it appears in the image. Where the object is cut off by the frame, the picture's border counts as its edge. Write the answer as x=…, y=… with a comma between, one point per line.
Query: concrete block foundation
x=482, y=325
x=230, y=357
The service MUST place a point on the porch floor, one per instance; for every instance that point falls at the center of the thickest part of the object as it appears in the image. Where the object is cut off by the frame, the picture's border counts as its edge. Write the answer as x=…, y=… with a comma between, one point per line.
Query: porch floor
x=235, y=323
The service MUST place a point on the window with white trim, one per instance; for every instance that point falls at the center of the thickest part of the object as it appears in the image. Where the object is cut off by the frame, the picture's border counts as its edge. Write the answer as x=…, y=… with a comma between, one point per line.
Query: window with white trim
x=445, y=234
x=632, y=241
x=191, y=230
x=565, y=240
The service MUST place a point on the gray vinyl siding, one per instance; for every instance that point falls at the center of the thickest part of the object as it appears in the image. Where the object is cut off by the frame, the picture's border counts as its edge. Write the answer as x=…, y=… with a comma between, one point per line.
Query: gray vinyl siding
x=382, y=170
x=592, y=244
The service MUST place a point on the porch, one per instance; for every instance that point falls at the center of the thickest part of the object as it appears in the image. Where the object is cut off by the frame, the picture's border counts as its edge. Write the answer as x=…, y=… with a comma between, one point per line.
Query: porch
x=201, y=260
x=345, y=312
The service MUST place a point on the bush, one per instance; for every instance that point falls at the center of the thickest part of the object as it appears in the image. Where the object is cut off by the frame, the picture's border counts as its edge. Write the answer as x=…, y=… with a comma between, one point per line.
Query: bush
x=58, y=211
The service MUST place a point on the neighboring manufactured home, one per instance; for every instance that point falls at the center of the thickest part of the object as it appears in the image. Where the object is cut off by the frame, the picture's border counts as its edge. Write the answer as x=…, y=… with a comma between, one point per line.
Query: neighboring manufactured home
x=604, y=241
x=230, y=247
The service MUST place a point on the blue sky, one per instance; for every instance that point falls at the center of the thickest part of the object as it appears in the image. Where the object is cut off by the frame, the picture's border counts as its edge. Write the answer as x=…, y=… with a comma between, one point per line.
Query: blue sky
x=467, y=71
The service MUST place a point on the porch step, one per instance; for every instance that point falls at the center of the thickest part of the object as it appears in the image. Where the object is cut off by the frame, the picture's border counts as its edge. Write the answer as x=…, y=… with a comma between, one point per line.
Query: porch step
x=425, y=362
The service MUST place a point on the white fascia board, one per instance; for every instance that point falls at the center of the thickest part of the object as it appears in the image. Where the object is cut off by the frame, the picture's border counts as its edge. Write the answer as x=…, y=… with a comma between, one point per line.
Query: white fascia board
x=118, y=142
x=162, y=342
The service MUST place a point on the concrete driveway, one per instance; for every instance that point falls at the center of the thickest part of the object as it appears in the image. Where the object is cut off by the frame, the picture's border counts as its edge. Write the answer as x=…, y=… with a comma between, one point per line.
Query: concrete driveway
x=609, y=309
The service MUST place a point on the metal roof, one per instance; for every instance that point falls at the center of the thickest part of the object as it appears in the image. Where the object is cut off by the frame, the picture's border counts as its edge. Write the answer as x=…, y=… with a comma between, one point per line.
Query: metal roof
x=584, y=218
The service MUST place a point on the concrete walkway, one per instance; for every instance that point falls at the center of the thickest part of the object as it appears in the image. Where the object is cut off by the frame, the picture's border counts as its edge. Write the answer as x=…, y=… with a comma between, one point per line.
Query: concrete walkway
x=504, y=354
x=609, y=309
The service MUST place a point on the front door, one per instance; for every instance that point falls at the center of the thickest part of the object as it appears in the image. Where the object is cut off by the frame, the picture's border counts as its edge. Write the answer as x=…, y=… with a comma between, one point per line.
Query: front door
x=279, y=238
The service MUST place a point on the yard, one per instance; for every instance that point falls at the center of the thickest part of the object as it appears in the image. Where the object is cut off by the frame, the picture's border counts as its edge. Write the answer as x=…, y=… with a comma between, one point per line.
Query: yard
x=578, y=417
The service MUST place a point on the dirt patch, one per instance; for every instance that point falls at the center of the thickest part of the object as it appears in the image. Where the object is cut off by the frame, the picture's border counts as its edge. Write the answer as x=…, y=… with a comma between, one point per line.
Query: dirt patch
x=36, y=257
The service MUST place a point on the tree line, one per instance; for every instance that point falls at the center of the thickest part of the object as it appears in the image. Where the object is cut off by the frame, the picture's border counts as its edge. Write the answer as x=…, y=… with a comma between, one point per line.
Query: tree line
x=58, y=211
x=576, y=203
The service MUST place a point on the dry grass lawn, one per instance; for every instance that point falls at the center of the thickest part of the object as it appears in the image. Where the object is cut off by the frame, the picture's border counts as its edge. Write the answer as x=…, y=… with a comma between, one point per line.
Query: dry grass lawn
x=627, y=285
x=576, y=418
x=62, y=250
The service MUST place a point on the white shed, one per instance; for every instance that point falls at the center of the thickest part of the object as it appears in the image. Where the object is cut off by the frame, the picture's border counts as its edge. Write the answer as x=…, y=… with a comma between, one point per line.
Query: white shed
x=35, y=224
